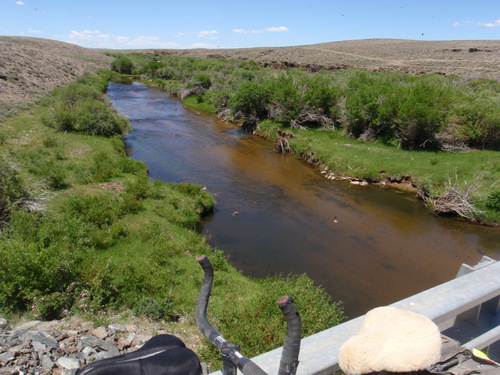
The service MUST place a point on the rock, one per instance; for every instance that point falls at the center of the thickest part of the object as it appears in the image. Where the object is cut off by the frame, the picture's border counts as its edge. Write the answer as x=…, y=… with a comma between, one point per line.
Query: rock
x=44, y=339
x=38, y=346
x=26, y=326
x=47, y=363
x=61, y=347
x=69, y=363
x=100, y=332
x=7, y=357
x=100, y=345
x=124, y=343
x=117, y=327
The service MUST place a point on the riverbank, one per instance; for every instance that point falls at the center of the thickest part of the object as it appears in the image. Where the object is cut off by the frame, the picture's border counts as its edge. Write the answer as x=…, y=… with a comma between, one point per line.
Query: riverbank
x=472, y=174
x=85, y=230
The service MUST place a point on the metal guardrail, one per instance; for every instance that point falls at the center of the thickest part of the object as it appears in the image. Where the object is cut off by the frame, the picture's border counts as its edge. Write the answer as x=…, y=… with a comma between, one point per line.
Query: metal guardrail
x=446, y=304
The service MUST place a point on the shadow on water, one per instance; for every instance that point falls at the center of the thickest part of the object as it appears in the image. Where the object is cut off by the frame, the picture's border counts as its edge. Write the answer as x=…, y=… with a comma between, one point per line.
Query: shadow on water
x=367, y=246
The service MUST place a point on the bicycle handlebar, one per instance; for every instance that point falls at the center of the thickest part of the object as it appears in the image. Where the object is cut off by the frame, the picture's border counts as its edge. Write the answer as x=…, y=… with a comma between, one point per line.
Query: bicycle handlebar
x=201, y=305
x=290, y=354
x=230, y=352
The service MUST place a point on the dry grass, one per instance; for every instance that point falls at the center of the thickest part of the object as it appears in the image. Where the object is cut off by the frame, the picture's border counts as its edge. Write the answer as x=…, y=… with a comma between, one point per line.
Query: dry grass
x=32, y=67
x=457, y=199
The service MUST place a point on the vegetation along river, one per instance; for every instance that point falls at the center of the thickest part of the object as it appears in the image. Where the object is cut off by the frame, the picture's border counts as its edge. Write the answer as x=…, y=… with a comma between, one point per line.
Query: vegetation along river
x=367, y=246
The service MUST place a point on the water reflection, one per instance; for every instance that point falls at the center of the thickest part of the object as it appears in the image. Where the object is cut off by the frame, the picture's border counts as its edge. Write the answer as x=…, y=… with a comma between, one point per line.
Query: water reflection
x=365, y=245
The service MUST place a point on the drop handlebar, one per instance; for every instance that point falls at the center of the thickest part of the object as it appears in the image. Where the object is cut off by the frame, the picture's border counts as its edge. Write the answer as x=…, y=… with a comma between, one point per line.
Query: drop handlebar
x=231, y=356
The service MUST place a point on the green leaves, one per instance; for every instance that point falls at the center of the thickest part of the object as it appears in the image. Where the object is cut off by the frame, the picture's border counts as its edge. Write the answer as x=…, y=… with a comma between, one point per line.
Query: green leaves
x=80, y=107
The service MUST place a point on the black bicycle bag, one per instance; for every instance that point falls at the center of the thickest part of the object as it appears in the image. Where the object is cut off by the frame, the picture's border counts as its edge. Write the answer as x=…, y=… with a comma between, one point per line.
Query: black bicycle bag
x=161, y=355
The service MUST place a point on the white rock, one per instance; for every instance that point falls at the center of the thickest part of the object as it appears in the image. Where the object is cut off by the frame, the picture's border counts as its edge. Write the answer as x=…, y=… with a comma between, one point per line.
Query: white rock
x=69, y=363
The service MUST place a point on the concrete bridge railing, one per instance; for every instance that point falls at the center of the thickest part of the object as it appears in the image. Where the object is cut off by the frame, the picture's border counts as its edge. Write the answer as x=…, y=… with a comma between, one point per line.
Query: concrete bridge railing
x=465, y=300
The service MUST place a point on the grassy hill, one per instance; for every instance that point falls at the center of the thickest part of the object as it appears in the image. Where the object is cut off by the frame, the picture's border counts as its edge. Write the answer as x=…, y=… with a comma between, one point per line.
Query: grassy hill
x=31, y=67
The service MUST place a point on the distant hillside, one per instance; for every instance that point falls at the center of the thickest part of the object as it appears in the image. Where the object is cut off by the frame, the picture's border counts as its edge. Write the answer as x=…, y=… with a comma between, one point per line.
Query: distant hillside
x=471, y=58
x=30, y=67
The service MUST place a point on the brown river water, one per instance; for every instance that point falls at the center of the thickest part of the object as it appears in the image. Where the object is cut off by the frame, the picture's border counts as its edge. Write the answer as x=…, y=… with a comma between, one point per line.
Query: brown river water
x=367, y=246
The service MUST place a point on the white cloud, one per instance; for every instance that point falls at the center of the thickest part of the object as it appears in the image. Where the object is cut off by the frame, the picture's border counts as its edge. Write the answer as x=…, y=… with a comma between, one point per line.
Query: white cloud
x=202, y=45
x=278, y=29
x=84, y=35
x=242, y=31
x=269, y=29
x=490, y=24
x=458, y=24
x=97, y=39
x=19, y=3
x=206, y=33
x=32, y=31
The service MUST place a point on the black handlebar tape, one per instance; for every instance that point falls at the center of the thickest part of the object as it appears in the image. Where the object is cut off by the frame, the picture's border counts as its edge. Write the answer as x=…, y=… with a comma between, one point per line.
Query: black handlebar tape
x=201, y=305
x=290, y=354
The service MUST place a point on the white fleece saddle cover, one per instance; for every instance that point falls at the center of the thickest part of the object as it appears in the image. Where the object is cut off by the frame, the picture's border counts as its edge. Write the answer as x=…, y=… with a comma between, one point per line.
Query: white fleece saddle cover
x=391, y=339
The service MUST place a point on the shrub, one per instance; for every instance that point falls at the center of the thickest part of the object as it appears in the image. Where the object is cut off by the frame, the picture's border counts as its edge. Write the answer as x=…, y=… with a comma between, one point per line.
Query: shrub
x=479, y=123
x=152, y=67
x=80, y=107
x=102, y=168
x=98, y=210
x=123, y=65
x=250, y=102
x=493, y=200
x=421, y=116
x=96, y=118
x=155, y=309
x=50, y=142
x=76, y=91
x=203, y=80
x=362, y=103
x=204, y=200
x=12, y=190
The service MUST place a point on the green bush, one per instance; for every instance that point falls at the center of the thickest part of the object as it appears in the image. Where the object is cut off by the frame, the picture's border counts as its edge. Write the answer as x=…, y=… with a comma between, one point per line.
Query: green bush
x=478, y=122
x=421, y=116
x=77, y=91
x=155, y=309
x=250, y=102
x=493, y=200
x=81, y=107
x=102, y=168
x=203, y=80
x=362, y=103
x=97, y=118
x=205, y=201
x=123, y=65
x=152, y=67
x=98, y=210
x=12, y=190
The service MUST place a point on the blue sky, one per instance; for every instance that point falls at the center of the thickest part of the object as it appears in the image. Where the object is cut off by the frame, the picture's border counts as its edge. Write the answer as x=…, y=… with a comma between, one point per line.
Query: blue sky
x=239, y=24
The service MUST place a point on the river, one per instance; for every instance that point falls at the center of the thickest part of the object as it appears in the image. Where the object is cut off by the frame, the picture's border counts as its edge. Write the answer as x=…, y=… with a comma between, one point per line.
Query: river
x=367, y=246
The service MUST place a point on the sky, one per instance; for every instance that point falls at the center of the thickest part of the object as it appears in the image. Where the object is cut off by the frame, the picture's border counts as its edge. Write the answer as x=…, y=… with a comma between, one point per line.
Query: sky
x=184, y=24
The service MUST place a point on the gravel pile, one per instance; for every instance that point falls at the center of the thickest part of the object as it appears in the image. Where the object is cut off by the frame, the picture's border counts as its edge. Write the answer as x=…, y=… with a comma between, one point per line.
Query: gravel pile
x=64, y=346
